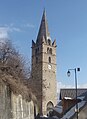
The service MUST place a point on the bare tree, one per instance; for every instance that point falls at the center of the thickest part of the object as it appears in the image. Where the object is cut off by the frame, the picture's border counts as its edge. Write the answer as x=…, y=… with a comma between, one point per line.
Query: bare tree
x=12, y=62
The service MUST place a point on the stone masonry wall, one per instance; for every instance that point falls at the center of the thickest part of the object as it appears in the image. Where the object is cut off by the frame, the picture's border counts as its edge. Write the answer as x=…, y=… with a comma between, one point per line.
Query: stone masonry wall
x=21, y=109
x=13, y=106
x=5, y=102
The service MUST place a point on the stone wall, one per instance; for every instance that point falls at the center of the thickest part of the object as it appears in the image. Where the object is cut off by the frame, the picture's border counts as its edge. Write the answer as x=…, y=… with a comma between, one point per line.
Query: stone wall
x=5, y=102
x=13, y=106
x=21, y=109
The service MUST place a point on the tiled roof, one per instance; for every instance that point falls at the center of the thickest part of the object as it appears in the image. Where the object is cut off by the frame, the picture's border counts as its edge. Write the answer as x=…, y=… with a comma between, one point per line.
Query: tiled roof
x=71, y=93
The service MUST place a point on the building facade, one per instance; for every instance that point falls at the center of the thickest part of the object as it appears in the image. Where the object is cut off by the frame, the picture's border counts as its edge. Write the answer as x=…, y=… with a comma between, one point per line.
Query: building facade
x=44, y=68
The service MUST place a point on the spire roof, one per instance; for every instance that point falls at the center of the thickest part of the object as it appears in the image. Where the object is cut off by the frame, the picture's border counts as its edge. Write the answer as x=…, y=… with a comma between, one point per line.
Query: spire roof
x=43, y=30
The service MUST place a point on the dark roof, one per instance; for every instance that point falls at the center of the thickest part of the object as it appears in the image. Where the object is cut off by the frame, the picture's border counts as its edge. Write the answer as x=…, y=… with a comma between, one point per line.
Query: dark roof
x=71, y=93
x=85, y=95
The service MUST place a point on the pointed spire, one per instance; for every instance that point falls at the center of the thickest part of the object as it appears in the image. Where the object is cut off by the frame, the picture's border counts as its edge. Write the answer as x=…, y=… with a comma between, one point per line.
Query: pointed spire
x=43, y=30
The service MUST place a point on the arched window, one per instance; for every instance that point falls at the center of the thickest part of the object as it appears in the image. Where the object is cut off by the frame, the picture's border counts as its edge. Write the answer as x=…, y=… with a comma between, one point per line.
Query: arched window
x=36, y=60
x=36, y=52
x=49, y=59
x=50, y=50
x=38, y=49
x=49, y=106
x=47, y=50
x=49, y=41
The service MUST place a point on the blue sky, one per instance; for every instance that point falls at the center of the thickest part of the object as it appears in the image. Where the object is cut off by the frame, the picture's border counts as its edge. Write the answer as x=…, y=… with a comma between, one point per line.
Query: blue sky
x=67, y=20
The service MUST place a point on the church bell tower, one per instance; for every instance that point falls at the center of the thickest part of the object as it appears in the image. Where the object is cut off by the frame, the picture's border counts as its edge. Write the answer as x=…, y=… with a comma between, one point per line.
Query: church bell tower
x=44, y=68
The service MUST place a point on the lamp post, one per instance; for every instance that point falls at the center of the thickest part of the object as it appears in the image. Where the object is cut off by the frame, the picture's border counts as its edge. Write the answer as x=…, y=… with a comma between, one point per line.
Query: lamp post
x=68, y=73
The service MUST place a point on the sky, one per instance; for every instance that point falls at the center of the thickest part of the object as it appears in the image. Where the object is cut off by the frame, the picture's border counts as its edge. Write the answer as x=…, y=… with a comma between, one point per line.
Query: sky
x=67, y=21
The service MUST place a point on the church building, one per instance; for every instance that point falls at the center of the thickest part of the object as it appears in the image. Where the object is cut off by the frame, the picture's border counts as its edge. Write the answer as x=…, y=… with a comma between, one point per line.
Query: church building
x=44, y=68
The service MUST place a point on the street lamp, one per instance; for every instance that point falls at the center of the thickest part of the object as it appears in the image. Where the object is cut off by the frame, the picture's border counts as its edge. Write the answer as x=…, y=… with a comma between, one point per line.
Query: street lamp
x=68, y=73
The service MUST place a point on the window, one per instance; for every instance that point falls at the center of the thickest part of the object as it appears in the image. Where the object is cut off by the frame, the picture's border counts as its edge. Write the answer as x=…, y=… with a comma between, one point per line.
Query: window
x=36, y=51
x=50, y=50
x=49, y=59
x=36, y=60
x=49, y=42
x=47, y=50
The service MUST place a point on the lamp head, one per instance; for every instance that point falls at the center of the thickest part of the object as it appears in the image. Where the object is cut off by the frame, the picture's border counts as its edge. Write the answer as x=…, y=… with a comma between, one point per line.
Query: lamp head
x=78, y=69
x=68, y=73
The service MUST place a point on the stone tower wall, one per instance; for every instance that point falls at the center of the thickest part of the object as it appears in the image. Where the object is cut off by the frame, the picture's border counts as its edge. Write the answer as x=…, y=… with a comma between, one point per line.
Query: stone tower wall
x=44, y=78
x=37, y=75
x=44, y=67
x=49, y=75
